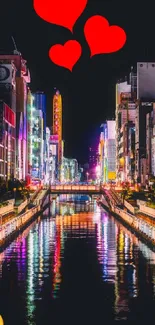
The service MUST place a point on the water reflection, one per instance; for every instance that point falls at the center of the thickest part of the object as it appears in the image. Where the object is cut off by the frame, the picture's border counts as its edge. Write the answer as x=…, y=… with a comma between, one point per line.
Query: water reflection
x=78, y=254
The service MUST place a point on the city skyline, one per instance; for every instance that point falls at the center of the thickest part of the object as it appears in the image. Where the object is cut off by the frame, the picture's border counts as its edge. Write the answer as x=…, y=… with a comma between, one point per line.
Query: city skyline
x=96, y=76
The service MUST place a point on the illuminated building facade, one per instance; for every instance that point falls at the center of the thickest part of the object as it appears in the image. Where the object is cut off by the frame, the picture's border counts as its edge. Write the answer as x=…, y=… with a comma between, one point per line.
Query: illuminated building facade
x=53, y=158
x=7, y=142
x=135, y=124
x=40, y=104
x=37, y=143
x=57, y=127
x=125, y=119
x=101, y=155
x=47, y=156
x=108, y=163
x=30, y=109
x=93, y=162
x=7, y=118
x=70, y=170
x=15, y=77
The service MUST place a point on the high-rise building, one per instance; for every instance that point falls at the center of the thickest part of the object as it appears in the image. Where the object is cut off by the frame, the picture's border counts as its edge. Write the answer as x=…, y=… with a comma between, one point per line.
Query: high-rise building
x=136, y=126
x=53, y=158
x=70, y=171
x=37, y=142
x=145, y=100
x=40, y=104
x=108, y=162
x=7, y=142
x=47, y=157
x=13, y=91
x=57, y=127
x=93, y=162
x=125, y=119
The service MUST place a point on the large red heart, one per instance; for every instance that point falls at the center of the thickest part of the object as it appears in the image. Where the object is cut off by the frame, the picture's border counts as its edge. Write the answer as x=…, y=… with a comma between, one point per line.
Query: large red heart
x=66, y=55
x=103, y=38
x=60, y=12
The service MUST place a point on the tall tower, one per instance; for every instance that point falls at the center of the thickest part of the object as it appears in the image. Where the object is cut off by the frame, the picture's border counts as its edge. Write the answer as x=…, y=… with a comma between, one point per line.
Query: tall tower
x=57, y=125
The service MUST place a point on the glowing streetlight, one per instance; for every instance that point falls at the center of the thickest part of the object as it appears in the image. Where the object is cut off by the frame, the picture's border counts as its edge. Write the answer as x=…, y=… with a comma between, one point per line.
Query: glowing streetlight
x=87, y=174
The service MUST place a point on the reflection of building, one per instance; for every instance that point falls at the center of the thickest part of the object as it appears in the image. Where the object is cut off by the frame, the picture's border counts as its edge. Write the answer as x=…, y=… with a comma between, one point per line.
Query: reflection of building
x=7, y=141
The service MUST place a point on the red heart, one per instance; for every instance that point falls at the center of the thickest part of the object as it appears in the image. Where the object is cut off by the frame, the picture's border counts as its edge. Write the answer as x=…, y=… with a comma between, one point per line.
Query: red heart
x=66, y=55
x=60, y=12
x=103, y=38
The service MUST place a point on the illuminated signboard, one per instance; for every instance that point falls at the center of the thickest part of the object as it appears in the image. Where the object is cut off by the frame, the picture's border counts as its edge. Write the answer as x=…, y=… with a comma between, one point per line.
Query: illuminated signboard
x=9, y=115
x=54, y=138
x=1, y=122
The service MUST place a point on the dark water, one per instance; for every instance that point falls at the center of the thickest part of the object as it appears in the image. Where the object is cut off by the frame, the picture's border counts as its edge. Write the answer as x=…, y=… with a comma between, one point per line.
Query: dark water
x=81, y=267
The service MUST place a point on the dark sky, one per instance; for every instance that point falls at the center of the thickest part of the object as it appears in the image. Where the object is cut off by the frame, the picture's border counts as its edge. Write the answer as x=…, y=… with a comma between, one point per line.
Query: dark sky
x=89, y=91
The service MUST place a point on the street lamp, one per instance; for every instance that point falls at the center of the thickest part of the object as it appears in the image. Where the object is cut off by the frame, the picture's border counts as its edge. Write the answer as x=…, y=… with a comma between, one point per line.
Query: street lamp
x=14, y=189
x=87, y=174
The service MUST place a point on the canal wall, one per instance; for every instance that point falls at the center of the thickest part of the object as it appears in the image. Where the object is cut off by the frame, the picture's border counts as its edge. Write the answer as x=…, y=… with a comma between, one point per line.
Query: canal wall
x=143, y=208
x=130, y=207
x=8, y=208
x=11, y=229
x=139, y=226
x=22, y=206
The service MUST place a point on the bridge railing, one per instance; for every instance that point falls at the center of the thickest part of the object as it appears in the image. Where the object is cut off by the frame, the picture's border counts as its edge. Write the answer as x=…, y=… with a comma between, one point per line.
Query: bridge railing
x=75, y=188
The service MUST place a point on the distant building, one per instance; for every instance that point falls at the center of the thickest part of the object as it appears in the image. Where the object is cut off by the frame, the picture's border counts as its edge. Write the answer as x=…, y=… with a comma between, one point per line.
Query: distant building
x=37, y=144
x=53, y=158
x=40, y=104
x=70, y=170
x=93, y=162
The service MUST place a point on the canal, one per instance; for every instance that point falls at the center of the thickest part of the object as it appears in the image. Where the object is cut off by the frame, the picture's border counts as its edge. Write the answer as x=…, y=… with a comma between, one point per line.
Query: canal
x=77, y=265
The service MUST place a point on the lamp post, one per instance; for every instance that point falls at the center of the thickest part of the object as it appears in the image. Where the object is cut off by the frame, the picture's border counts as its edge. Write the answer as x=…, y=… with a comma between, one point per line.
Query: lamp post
x=87, y=174
x=14, y=192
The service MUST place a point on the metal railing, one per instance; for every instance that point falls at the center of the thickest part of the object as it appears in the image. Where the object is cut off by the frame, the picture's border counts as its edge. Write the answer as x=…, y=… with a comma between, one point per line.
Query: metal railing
x=79, y=188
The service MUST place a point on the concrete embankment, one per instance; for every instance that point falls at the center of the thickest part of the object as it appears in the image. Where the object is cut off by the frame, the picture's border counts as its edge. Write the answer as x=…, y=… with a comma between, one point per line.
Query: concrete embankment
x=11, y=229
x=144, y=230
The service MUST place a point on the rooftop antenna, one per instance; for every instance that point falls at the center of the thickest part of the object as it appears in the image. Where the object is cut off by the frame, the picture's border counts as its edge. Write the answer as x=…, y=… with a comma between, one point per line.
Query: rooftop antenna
x=15, y=47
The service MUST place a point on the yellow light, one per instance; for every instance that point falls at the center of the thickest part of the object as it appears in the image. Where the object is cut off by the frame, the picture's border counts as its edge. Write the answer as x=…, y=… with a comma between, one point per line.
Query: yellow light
x=121, y=161
x=1, y=320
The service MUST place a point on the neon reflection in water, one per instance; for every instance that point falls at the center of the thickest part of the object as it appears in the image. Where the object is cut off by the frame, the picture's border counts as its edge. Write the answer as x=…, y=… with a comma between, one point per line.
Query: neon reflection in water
x=118, y=253
x=39, y=250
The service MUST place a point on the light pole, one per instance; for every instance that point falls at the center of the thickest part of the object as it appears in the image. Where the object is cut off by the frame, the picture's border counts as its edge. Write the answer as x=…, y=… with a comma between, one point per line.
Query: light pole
x=87, y=174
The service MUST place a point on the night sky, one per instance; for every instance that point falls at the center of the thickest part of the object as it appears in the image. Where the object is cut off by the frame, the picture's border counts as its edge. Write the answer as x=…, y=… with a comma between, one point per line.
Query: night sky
x=89, y=91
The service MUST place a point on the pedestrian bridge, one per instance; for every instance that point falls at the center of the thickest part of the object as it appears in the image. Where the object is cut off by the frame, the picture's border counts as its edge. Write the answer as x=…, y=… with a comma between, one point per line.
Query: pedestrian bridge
x=75, y=189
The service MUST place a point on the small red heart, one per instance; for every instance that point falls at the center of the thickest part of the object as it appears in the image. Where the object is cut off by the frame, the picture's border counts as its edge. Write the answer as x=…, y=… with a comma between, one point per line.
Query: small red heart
x=103, y=38
x=60, y=12
x=66, y=55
